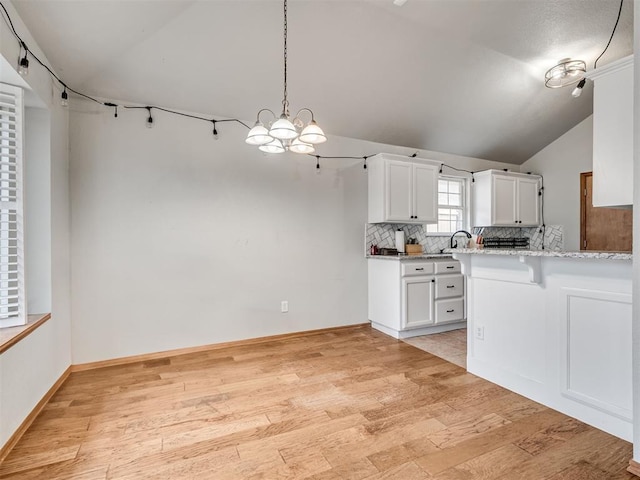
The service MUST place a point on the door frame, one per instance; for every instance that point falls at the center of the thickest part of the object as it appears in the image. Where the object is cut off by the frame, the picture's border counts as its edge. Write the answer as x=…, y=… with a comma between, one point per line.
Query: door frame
x=583, y=208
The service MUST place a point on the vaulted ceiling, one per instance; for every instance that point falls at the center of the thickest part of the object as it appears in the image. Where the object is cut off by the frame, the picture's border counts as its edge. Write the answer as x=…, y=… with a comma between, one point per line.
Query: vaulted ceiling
x=456, y=76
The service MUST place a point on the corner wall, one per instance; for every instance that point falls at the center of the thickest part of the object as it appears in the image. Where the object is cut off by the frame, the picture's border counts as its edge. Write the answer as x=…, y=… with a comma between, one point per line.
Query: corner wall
x=561, y=163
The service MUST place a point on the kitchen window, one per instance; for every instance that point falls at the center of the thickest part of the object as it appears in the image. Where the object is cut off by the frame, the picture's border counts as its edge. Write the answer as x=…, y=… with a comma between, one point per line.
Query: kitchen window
x=452, y=206
x=13, y=303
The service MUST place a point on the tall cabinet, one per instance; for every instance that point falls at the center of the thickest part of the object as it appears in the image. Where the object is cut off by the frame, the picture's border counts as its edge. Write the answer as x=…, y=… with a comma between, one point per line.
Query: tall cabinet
x=613, y=133
x=402, y=190
x=506, y=199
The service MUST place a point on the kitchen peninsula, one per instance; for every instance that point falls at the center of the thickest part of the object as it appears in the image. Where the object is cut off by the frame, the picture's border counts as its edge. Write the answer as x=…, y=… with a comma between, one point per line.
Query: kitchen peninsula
x=555, y=327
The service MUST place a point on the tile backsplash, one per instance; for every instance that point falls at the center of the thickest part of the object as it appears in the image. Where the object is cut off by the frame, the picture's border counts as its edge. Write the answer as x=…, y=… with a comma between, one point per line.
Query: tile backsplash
x=383, y=235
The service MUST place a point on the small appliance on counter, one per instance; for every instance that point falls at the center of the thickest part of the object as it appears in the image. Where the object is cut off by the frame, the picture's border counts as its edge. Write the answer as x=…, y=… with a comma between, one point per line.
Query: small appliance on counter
x=400, y=240
x=507, y=243
x=387, y=251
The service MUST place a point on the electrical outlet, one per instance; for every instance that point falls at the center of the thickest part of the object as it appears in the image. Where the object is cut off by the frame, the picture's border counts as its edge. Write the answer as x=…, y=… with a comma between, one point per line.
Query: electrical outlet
x=284, y=306
x=480, y=333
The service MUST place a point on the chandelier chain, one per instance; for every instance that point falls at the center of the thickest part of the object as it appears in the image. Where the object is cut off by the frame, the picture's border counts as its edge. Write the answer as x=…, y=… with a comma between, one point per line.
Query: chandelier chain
x=285, y=102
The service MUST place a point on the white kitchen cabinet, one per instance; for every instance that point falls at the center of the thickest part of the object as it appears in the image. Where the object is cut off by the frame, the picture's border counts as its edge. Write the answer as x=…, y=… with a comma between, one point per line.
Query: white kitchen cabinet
x=402, y=190
x=613, y=133
x=410, y=297
x=417, y=301
x=506, y=199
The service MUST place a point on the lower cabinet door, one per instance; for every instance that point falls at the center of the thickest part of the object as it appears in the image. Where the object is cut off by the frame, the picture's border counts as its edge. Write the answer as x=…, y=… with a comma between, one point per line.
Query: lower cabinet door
x=449, y=310
x=417, y=302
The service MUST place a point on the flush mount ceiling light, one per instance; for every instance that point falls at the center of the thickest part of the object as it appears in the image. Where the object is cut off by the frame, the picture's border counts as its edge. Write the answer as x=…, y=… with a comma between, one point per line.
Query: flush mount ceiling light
x=282, y=133
x=567, y=72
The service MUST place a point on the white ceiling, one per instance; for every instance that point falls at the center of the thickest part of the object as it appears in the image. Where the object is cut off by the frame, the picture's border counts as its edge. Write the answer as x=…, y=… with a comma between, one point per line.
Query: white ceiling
x=456, y=76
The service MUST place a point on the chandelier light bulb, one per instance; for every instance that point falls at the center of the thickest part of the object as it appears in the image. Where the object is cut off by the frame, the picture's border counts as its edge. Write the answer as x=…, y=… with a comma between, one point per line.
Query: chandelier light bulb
x=275, y=146
x=258, y=135
x=298, y=146
x=283, y=129
x=313, y=134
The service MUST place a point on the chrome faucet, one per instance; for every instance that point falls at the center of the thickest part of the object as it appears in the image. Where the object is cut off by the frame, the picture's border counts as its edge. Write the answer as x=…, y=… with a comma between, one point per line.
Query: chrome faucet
x=455, y=245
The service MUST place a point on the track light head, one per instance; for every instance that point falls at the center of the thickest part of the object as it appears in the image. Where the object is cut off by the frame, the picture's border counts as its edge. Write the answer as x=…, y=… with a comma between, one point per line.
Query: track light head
x=578, y=90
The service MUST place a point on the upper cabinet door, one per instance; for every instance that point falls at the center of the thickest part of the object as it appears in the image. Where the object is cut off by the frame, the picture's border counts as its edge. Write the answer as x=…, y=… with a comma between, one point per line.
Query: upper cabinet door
x=425, y=183
x=504, y=201
x=528, y=203
x=402, y=191
x=398, y=202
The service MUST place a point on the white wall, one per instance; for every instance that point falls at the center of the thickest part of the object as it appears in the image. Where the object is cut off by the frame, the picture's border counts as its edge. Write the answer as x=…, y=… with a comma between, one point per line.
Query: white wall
x=37, y=168
x=561, y=164
x=180, y=240
x=30, y=368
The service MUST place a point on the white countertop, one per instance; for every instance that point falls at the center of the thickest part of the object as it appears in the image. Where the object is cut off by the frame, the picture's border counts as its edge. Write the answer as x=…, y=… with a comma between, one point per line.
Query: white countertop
x=543, y=253
x=430, y=256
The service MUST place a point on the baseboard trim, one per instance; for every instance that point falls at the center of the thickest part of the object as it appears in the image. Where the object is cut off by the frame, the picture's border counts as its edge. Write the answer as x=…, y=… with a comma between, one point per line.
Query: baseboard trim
x=634, y=467
x=145, y=357
x=13, y=440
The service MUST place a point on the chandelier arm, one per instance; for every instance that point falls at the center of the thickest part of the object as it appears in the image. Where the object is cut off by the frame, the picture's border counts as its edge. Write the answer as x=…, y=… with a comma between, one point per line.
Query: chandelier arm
x=265, y=110
x=305, y=109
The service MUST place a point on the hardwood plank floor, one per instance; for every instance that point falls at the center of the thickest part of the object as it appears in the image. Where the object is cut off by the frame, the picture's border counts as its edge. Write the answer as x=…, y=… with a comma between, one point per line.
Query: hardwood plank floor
x=349, y=404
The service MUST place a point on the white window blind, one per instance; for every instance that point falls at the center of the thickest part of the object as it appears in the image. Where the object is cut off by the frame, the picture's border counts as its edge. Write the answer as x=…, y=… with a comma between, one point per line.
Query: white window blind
x=452, y=210
x=12, y=283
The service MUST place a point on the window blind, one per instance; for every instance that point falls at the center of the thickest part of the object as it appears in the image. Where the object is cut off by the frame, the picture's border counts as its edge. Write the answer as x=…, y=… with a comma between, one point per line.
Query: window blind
x=12, y=282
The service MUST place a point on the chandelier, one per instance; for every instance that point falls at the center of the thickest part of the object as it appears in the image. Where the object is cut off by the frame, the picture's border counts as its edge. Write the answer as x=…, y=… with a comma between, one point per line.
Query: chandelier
x=284, y=133
x=566, y=72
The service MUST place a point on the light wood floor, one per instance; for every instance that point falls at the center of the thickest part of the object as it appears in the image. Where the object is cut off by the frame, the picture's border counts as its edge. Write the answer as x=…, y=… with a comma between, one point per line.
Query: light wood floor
x=350, y=404
x=450, y=346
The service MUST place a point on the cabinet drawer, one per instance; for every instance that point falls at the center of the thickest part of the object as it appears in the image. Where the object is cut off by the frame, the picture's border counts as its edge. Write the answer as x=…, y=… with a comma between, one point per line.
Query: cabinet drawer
x=417, y=268
x=448, y=267
x=449, y=286
x=449, y=310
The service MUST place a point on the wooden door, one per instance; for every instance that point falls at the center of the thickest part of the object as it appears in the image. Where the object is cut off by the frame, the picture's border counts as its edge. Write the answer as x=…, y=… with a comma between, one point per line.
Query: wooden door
x=602, y=229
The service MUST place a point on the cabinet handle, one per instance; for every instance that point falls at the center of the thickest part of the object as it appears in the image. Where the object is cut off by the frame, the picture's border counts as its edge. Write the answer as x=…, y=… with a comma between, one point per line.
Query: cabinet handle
x=450, y=311
x=433, y=280
x=450, y=286
x=419, y=269
x=450, y=267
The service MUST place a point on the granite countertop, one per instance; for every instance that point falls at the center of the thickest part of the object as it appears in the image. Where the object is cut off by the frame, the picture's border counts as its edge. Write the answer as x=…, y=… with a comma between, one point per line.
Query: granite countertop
x=423, y=256
x=544, y=253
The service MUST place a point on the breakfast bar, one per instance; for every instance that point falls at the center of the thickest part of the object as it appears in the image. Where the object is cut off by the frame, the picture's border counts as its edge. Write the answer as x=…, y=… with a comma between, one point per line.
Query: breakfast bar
x=555, y=327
